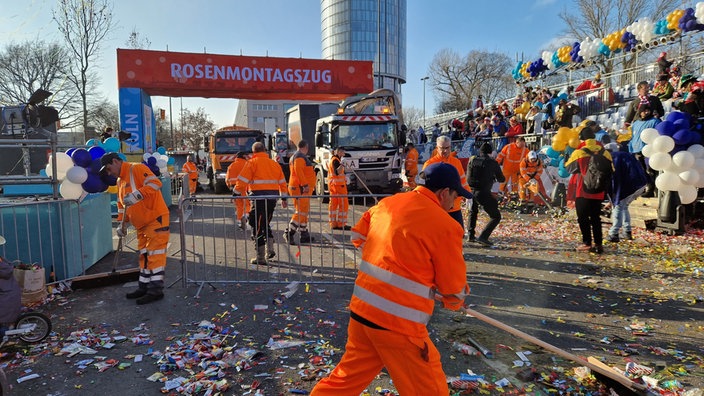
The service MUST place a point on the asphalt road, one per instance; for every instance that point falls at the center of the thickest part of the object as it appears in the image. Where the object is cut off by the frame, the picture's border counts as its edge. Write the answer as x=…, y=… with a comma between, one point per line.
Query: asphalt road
x=641, y=301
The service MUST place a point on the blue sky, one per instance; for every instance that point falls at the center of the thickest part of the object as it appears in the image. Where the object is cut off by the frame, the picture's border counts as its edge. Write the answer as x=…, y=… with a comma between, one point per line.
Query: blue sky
x=289, y=28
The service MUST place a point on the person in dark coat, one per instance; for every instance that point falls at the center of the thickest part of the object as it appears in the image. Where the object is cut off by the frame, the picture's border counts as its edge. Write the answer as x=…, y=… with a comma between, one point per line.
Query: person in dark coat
x=627, y=184
x=10, y=294
x=482, y=172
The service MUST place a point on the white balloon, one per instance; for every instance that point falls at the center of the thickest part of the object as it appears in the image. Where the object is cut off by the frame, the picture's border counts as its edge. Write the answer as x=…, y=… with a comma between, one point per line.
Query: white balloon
x=49, y=169
x=160, y=163
x=647, y=150
x=663, y=144
x=687, y=194
x=700, y=182
x=659, y=161
x=164, y=157
x=690, y=177
x=649, y=135
x=668, y=181
x=683, y=159
x=697, y=150
x=70, y=190
x=164, y=171
x=77, y=174
x=699, y=164
x=146, y=156
x=63, y=164
x=673, y=168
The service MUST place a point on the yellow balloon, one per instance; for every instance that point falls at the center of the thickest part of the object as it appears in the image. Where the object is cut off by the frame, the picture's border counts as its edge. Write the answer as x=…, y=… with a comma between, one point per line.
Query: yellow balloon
x=563, y=131
x=574, y=143
x=112, y=189
x=559, y=145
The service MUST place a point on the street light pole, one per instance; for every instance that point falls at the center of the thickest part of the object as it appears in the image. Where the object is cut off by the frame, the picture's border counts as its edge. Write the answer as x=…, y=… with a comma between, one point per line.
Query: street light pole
x=423, y=79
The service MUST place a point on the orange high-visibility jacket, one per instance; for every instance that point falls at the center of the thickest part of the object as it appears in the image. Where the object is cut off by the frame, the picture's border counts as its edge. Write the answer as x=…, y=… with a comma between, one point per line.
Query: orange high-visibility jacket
x=411, y=163
x=192, y=170
x=336, y=178
x=510, y=156
x=302, y=171
x=233, y=171
x=454, y=161
x=135, y=177
x=263, y=176
x=403, y=264
x=531, y=170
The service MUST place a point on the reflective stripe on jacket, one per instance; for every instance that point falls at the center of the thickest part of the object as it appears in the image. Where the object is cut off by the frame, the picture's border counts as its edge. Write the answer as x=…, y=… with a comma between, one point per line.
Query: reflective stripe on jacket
x=411, y=163
x=263, y=176
x=192, y=170
x=531, y=170
x=233, y=171
x=403, y=265
x=510, y=156
x=336, y=177
x=135, y=177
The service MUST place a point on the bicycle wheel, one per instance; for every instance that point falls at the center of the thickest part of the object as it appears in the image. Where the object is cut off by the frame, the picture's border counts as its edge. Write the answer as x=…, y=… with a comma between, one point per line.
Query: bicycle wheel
x=41, y=330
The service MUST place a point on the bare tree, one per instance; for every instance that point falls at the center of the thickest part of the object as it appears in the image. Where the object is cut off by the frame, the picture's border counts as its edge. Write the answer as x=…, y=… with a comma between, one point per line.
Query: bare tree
x=412, y=116
x=598, y=18
x=84, y=25
x=137, y=41
x=29, y=66
x=194, y=127
x=457, y=80
x=104, y=114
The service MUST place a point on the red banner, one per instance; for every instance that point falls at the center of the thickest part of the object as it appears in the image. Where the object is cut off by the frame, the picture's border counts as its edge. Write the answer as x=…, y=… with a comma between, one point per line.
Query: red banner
x=162, y=73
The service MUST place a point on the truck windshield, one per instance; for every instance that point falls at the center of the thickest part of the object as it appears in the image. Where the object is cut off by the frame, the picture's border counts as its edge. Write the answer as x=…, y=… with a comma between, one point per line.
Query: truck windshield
x=234, y=144
x=367, y=135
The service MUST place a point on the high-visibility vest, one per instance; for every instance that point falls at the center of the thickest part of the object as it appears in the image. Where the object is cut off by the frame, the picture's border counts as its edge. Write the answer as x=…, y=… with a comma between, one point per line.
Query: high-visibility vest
x=454, y=161
x=233, y=171
x=135, y=177
x=333, y=178
x=302, y=171
x=511, y=155
x=411, y=163
x=192, y=170
x=263, y=176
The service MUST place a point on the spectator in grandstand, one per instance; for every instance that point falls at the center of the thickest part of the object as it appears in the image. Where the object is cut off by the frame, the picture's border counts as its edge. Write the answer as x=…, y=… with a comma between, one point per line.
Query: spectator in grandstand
x=534, y=121
x=587, y=205
x=436, y=132
x=510, y=160
x=645, y=120
x=504, y=110
x=422, y=137
x=694, y=104
x=479, y=104
x=663, y=64
x=644, y=97
x=662, y=88
x=628, y=183
x=675, y=77
x=565, y=112
x=499, y=125
x=412, y=136
x=515, y=129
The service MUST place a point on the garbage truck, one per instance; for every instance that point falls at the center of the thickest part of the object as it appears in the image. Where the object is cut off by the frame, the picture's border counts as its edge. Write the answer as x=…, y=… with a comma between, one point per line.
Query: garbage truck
x=368, y=126
x=222, y=145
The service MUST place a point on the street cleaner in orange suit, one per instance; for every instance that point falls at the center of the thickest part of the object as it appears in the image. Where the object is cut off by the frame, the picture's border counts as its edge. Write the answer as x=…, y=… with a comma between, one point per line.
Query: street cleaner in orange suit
x=242, y=206
x=139, y=202
x=531, y=169
x=337, y=183
x=445, y=155
x=403, y=270
x=510, y=160
x=191, y=170
x=262, y=177
x=300, y=188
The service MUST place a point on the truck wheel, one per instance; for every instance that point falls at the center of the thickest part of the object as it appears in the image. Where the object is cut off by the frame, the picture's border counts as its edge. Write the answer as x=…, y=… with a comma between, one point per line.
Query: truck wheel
x=320, y=187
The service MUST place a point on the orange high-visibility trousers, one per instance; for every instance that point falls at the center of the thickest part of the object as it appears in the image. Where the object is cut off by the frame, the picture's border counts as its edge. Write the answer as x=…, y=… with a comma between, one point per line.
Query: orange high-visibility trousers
x=512, y=176
x=525, y=193
x=301, y=208
x=338, y=207
x=413, y=364
x=243, y=206
x=152, y=241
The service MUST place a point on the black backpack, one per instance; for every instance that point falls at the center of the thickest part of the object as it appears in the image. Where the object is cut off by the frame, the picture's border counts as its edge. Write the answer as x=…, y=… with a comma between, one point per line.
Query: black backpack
x=597, y=178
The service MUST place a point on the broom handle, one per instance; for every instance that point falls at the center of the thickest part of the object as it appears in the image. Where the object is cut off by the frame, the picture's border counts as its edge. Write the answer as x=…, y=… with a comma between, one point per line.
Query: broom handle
x=119, y=246
x=608, y=373
x=365, y=185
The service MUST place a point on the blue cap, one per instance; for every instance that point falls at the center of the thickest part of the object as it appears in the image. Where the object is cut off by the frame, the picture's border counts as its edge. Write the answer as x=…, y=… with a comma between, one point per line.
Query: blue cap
x=442, y=175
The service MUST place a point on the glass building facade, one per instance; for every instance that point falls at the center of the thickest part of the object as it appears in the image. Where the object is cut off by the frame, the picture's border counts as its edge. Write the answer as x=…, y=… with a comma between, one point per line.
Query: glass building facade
x=367, y=30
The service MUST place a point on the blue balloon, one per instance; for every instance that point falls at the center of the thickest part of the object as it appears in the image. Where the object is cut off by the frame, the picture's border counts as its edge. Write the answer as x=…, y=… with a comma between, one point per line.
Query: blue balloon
x=42, y=172
x=666, y=128
x=81, y=157
x=171, y=161
x=122, y=156
x=109, y=180
x=91, y=143
x=161, y=150
x=681, y=137
x=111, y=145
x=151, y=161
x=695, y=137
x=675, y=115
x=70, y=151
x=550, y=152
x=96, y=152
x=95, y=166
x=93, y=184
x=682, y=123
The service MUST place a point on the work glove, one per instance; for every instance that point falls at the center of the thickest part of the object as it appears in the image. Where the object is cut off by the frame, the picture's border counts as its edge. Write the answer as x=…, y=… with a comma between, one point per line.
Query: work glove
x=121, y=230
x=132, y=198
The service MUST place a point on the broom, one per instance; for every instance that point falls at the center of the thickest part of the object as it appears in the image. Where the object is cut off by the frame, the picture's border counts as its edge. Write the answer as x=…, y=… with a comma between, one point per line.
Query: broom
x=107, y=278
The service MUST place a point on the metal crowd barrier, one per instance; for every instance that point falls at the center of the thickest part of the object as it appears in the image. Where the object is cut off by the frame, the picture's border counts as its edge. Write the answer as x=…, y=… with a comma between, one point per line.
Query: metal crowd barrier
x=214, y=250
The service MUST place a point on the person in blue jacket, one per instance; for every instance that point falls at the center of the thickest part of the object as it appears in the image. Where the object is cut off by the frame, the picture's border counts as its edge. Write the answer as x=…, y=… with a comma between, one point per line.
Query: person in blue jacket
x=628, y=183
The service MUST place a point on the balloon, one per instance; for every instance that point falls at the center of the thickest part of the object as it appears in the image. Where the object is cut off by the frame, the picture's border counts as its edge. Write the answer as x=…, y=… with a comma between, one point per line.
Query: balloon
x=648, y=135
x=122, y=156
x=668, y=181
x=664, y=128
x=111, y=145
x=683, y=159
x=81, y=157
x=92, y=142
x=647, y=150
x=63, y=164
x=146, y=156
x=675, y=115
x=94, y=184
x=699, y=164
x=151, y=161
x=552, y=153
x=77, y=174
x=70, y=190
x=171, y=161
x=96, y=152
x=687, y=194
x=690, y=177
x=162, y=164
x=108, y=180
x=682, y=123
x=558, y=145
x=574, y=142
x=681, y=137
x=161, y=150
x=659, y=161
x=697, y=150
x=70, y=151
x=663, y=144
